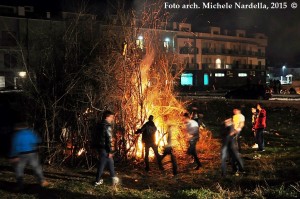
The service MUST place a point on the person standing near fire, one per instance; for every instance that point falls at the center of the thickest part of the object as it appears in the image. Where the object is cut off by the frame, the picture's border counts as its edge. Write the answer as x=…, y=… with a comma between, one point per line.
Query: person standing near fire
x=192, y=128
x=105, y=149
x=254, y=116
x=238, y=124
x=148, y=131
x=168, y=149
x=229, y=149
x=260, y=126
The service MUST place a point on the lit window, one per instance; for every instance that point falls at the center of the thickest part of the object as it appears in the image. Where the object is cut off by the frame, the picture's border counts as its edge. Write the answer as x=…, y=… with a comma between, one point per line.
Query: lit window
x=206, y=79
x=242, y=75
x=2, y=81
x=187, y=79
x=139, y=42
x=218, y=63
x=219, y=74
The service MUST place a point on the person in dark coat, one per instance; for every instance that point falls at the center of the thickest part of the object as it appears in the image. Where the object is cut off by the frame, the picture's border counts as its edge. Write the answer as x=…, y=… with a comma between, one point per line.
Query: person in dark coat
x=148, y=138
x=105, y=148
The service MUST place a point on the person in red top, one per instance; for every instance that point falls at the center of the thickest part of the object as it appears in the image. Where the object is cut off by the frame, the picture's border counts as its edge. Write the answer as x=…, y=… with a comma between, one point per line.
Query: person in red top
x=260, y=125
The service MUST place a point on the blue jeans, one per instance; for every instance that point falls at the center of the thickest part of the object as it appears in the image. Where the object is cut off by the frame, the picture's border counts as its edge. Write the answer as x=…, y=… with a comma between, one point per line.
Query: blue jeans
x=229, y=148
x=103, y=162
x=260, y=139
x=33, y=160
x=238, y=140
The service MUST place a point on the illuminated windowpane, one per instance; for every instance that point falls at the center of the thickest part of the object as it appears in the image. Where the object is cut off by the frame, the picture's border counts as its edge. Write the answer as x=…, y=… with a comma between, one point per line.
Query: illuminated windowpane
x=242, y=74
x=187, y=79
x=2, y=81
x=219, y=74
x=206, y=79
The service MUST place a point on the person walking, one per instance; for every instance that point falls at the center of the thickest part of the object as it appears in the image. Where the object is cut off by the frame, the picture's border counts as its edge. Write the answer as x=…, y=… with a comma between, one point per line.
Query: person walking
x=105, y=149
x=148, y=131
x=192, y=128
x=25, y=150
x=238, y=124
x=260, y=125
x=168, y=149
x=229, y=149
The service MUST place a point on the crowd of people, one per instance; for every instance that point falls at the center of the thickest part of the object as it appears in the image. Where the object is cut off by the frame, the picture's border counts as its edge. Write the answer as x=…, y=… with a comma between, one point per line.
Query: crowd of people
x=25, y=142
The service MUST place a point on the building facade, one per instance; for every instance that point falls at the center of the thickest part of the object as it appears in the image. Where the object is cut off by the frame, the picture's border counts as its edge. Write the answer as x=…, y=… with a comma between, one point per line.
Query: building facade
x=213, y=59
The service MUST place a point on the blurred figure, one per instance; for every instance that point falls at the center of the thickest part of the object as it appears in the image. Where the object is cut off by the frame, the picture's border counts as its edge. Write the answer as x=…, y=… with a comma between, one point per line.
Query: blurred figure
x=229, y=149
x=25, y=150
x=193, y=137
x=105, y=149
x=254, y=116
x=148, y=138
x=238, y=124
x=168, y=149
x=260, y=125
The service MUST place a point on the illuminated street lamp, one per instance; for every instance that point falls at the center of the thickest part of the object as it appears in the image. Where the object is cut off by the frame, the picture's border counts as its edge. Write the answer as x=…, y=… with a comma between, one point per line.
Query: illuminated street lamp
x=22, y=74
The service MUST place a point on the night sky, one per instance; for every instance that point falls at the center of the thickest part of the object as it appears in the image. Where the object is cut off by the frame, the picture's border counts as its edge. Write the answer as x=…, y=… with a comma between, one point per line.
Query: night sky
x=281, y=26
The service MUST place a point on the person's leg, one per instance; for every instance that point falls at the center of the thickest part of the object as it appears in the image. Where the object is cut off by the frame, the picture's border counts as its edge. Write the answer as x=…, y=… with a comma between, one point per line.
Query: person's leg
x=111, y=167
x=224, y=154
x=101, y=164
x=174, y=163
x=237, y=162
x=260, y=139
x=238, y=140
x=157, y=155
x=147, y=168
x=19, y=170
x=194, y=154
x=36, y=166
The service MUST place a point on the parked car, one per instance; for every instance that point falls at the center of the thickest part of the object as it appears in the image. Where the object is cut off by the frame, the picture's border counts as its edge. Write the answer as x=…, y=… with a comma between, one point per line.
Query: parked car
x=250, y=92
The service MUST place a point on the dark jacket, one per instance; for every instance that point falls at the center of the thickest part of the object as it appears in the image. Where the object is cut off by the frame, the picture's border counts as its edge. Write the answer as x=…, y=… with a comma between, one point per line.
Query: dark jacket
x=148, y=132
x=104, y=138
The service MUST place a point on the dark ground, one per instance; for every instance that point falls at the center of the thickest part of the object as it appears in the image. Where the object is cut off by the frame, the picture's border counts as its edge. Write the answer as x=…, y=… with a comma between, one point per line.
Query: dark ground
x=274, y=173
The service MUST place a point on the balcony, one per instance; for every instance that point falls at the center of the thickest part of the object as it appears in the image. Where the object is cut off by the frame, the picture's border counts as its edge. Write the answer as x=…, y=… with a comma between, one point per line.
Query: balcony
x=231, y=52
x=192, y=66
x=188, y=50
x=208, y=66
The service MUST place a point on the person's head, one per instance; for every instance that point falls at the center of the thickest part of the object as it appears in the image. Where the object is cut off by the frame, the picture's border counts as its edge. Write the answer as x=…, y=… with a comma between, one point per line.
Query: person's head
x=151, y=118
x=236, y=111
x=259, y=106
x=186, y=116
x=253, y=110
x=21, y=125
x=108, y=116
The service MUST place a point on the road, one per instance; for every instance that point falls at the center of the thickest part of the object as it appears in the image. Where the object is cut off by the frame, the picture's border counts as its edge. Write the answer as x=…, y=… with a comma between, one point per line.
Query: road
x=220, y=95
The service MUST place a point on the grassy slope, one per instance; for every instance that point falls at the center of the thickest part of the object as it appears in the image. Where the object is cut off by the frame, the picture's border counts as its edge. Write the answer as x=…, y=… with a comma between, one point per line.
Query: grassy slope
x=274, y=175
